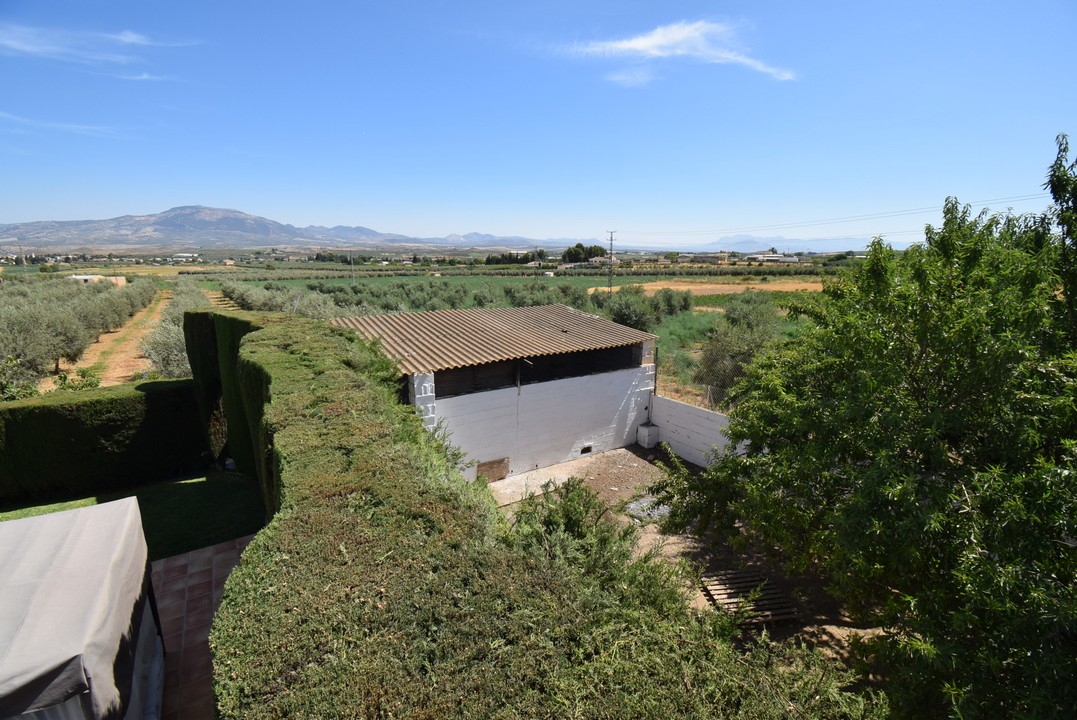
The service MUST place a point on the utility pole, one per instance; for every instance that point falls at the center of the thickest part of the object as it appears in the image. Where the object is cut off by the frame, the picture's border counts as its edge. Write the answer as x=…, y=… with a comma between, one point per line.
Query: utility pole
x=609, y=285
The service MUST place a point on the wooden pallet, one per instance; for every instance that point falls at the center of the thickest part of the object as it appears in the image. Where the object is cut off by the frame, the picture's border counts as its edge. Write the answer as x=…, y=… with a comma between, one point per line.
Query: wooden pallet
x=730, y=590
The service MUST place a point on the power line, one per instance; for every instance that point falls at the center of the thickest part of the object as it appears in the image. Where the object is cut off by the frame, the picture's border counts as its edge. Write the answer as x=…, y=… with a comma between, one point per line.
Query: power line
x=831, y=221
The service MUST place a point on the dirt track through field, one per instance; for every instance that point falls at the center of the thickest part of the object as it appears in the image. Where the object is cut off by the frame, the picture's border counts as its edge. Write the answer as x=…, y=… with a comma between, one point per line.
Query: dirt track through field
x=116, y=356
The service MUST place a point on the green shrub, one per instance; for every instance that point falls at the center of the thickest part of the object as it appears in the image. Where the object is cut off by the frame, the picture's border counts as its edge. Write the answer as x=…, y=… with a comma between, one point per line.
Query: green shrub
x=68, y=444
x=387, y=586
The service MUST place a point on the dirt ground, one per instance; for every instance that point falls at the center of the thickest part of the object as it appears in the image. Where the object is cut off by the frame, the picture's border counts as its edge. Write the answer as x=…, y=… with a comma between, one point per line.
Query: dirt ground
x=116, y=356
x=621, y=476
x=710, y=287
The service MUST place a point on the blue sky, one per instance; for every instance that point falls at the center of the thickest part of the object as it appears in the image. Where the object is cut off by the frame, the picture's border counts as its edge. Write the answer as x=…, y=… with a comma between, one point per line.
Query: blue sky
x=674, y=123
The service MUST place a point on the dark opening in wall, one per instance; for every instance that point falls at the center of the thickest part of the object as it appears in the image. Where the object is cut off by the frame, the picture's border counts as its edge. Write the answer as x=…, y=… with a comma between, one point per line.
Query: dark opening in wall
x=545, y=368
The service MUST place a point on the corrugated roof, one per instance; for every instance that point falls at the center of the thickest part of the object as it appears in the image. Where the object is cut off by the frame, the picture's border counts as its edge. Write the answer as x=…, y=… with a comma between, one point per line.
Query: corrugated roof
x=446, y=339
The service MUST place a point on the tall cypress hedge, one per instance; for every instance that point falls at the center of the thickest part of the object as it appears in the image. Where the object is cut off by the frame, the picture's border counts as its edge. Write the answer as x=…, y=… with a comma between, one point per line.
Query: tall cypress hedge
x=75, y=444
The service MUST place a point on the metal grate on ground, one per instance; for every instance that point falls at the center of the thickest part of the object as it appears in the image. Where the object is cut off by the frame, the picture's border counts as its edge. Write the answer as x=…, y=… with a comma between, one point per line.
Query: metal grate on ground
x=732, y=590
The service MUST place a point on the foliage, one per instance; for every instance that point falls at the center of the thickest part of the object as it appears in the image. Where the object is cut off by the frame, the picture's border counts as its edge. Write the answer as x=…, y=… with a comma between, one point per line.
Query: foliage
x=342, y=258
x=386, y=585
x=516, y=258
x=538, y=293
x=630, y=306
x=66, y=444
x=633, y=310
x=164, y=345
x=15, y=382
x=84, y=380
x=579, y=253
x=52, y=319
x=917, y=444
x=748, y=325
x=179, y=516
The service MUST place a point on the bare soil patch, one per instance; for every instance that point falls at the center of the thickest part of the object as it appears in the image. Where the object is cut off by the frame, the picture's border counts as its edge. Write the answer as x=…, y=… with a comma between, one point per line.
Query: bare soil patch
x=116, y=356
x=711, y=287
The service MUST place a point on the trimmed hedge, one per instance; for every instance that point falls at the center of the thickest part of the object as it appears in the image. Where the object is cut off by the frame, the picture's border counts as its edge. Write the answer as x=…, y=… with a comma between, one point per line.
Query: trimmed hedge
x=74, y=444
x=387, y=586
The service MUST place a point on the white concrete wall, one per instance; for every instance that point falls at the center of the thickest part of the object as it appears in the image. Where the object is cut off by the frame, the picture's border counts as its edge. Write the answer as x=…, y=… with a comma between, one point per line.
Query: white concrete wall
x=547, y=423
x=693, y=433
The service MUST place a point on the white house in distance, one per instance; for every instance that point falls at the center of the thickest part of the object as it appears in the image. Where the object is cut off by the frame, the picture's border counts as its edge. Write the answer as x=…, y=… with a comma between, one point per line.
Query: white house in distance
x=520, y=388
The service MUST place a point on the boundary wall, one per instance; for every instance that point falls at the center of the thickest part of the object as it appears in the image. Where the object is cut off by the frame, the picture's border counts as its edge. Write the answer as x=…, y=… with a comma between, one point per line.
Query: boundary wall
x=692, y=432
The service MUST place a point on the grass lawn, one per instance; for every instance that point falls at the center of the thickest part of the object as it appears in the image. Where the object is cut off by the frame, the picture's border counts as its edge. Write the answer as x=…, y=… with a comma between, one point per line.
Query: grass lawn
x=181, y=515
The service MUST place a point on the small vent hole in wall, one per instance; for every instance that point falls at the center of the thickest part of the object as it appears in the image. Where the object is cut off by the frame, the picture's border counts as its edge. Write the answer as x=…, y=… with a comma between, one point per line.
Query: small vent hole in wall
x=585, y=449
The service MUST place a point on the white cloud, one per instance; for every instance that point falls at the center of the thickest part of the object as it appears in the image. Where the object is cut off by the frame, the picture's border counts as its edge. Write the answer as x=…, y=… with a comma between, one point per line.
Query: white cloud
x=75, y=46
x=143, y=77
x=702, y=40
x=130, y=38
x=57, y=45
x=18, y=121
x=632, y=77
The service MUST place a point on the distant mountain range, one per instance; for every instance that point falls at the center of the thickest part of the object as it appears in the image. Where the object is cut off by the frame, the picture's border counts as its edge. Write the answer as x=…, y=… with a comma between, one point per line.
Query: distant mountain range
x=194, y=227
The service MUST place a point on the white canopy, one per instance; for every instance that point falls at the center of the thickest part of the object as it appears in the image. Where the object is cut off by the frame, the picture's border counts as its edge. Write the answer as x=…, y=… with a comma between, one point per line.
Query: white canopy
x=76, y=592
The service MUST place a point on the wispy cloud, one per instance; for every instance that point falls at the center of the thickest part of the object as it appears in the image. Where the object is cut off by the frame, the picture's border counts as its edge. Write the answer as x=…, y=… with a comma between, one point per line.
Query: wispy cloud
x=143, y=77
x=703, y=41
x=130, y=38
x=632, y=77
x=76, y=46
x=19, y=121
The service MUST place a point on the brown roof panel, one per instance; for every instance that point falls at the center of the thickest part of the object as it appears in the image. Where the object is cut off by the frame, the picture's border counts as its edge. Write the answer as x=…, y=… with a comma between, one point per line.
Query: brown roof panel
x=446, y=339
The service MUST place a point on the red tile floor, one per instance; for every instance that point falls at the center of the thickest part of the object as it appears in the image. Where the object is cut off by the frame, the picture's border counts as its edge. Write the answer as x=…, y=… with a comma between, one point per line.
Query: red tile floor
x=188, y=589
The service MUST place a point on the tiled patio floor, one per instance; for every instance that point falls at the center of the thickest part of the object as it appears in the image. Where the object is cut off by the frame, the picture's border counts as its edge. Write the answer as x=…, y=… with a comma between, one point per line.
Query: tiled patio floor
x=188, y=590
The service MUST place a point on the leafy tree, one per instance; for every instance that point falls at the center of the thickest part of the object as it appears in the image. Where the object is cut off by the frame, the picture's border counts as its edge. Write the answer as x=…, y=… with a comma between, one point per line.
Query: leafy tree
x=748, y=325
x=632, y=310
x=67, y=338
x=579, y=253
x=918, y=444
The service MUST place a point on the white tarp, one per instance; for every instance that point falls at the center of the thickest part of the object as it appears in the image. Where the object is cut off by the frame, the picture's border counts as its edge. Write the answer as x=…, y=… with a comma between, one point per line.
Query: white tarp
x=75, y=607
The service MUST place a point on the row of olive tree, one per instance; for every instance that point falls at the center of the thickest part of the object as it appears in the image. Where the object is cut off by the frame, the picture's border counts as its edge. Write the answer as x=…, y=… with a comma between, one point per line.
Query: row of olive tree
x=628, y=306
x=164, y=345
x=918, y=443
x=43, y=321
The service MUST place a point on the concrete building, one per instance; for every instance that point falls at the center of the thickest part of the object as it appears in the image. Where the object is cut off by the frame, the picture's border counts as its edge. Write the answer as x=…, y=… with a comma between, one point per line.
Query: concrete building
x=520, y=388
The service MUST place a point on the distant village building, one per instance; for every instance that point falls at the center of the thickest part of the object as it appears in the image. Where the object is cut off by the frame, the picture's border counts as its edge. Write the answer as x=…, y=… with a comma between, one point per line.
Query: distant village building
x=772, y=258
